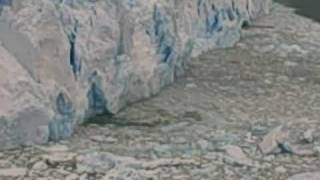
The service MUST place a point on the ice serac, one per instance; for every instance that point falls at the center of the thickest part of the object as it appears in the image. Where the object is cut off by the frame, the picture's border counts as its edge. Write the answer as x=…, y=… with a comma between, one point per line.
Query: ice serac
x=62, y=61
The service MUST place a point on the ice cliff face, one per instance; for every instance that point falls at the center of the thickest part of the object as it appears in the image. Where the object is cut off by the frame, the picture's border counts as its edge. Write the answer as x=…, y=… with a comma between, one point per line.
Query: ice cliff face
x=62, y=61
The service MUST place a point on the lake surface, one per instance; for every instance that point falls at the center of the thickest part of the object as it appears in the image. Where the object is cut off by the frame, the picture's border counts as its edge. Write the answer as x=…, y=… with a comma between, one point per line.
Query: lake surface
x=307, y=8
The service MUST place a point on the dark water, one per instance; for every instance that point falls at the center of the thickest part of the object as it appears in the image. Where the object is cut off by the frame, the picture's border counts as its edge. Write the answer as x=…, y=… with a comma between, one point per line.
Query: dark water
x=307, y=8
